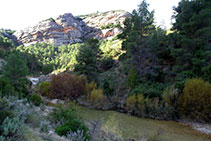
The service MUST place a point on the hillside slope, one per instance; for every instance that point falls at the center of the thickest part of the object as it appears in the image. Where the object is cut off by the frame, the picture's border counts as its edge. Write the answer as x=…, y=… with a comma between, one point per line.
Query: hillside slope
x=67, y=29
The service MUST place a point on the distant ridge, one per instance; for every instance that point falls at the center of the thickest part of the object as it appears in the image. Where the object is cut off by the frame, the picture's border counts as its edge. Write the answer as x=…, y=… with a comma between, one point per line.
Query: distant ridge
x=67, y=29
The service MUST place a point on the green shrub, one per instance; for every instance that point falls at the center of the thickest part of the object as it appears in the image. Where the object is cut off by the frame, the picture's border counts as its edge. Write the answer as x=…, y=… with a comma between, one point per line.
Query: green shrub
x=48, y=68
x=67, y=120
x=45, y=126
x=22, y=87
x=195, y=101
x=72, y=126
x=18, y=88
x=76, y=136
x=67, y=112
x=4, y=103
x=36, y=99
x=132, y=78
x=6, y=89
x=105, y=64
x=13, y=128
x=4, y=112
x=149, y=90
x=107, y=88
x=207, y=73
x=45, y=88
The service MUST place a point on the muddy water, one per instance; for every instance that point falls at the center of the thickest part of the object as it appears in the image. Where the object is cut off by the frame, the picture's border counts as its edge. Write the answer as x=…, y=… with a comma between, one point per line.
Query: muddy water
x=126, y=126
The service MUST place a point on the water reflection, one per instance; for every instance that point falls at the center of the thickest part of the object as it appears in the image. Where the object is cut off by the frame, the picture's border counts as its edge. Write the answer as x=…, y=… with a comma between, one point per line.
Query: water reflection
x=112, y=124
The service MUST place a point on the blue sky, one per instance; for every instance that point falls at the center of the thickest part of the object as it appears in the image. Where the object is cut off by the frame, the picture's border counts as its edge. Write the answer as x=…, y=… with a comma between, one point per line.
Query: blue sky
x=18, y=14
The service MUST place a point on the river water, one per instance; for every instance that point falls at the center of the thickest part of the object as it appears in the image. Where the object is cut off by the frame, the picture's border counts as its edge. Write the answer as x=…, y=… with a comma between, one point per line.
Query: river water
x=126, y=126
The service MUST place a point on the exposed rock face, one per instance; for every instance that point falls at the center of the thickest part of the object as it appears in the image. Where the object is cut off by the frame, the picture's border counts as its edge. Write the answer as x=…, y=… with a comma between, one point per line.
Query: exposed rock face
x=98, y=20
x=67, y=29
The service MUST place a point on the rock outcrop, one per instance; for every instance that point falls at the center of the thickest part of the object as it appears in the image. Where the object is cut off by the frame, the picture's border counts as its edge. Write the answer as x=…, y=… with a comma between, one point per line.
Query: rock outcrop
x=67, y=29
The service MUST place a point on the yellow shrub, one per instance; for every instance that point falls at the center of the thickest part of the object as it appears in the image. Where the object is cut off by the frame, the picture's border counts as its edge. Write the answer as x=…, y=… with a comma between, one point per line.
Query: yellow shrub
x=140, y=101
x=195, y=101
x=131, y=102
x=135, y=102
x=97, y=96
x=90, y=87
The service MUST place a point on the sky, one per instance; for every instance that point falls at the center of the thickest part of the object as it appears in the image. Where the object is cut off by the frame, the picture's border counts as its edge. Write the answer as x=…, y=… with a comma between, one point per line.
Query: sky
x=19, y=14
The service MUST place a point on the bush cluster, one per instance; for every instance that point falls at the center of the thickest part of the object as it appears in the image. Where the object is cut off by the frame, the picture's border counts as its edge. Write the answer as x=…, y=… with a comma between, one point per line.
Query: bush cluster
x=45, y=88
x=46, y=58
x=69, y=86
x=107, y=88
x=12, y=128
x=195, y=100
x=135, y=103
x=67, y=121
x=170, y=96
x=36, y=99
x=14, y=113
x=149, y=90
x=149, y=107
x=90, y=87
x=71, y=126
x=97, y=97
x=6, y=88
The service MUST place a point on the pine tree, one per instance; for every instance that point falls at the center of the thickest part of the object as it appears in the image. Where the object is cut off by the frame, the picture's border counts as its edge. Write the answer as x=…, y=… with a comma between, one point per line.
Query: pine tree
x=87, y=59
x=15, y=68
x=137, y=34
x=193, y=38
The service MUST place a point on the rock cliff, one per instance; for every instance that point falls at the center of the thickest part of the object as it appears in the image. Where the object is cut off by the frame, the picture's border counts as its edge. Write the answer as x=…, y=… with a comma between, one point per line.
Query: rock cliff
x=67, y=29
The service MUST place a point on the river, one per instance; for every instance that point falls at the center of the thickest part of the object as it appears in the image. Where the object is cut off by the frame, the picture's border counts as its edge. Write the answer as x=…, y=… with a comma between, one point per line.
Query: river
x=126, y=126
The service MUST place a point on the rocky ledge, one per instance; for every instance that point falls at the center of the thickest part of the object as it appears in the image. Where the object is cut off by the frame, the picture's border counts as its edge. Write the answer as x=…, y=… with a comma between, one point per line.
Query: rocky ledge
x=67, y=29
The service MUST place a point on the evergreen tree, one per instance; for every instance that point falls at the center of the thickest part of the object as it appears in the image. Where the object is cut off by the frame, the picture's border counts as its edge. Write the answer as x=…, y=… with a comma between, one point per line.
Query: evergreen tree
x=87, y=59
x=193, y=38
x=15, y=68
x=137, y=34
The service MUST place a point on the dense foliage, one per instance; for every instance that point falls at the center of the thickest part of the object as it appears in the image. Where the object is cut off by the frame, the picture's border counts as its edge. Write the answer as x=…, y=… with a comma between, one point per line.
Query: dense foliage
x=67, y=86
x=154, y=60
x=50, y=58
x=68, y=121
x=143, y=71
x=192, y=46
x=195, y=100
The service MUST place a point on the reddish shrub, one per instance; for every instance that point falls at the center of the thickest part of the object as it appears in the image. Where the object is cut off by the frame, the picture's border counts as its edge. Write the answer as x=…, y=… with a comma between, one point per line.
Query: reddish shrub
x=68, y=86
